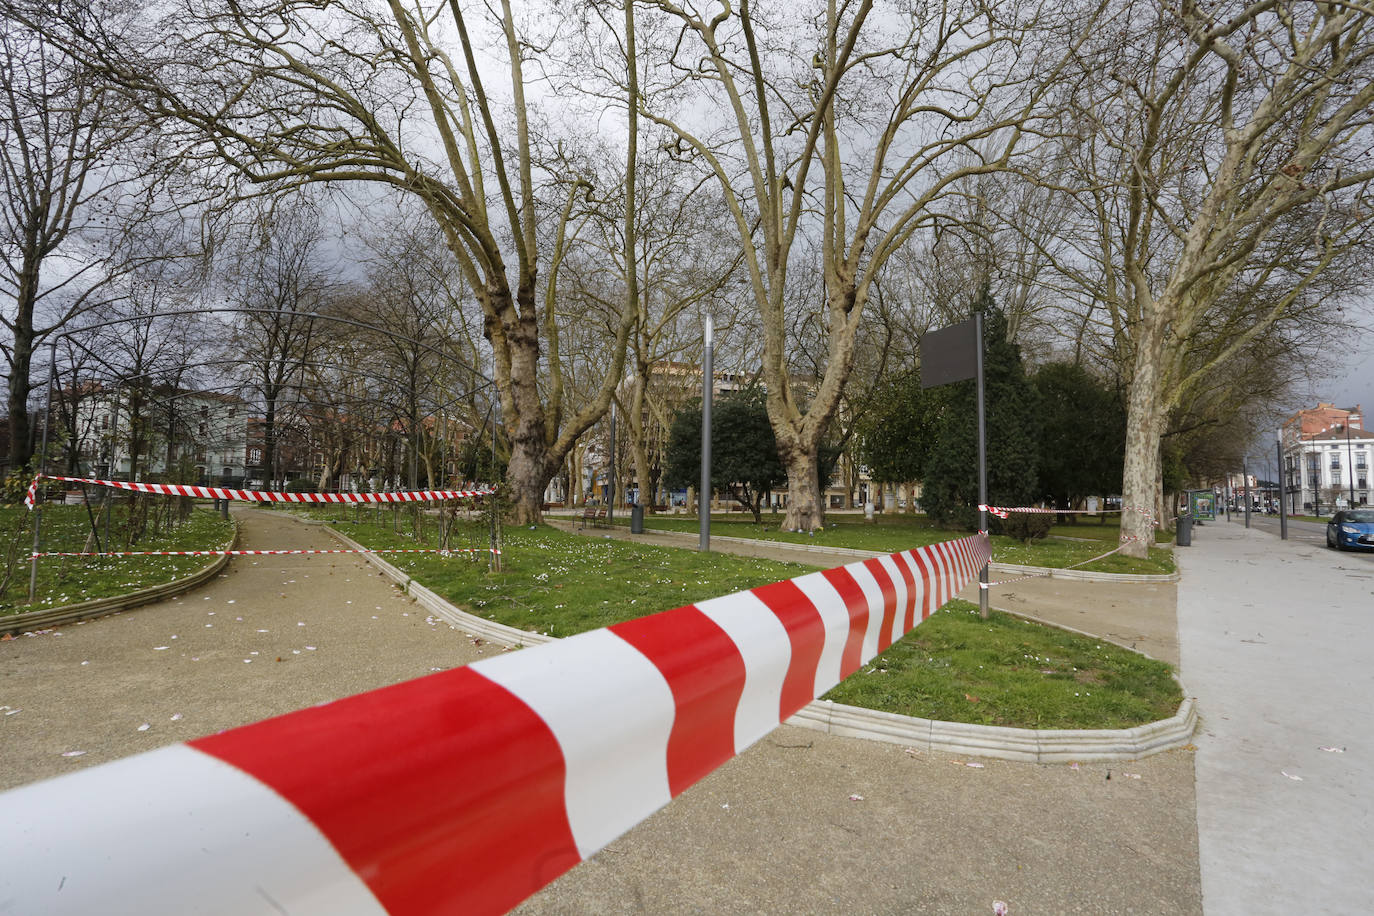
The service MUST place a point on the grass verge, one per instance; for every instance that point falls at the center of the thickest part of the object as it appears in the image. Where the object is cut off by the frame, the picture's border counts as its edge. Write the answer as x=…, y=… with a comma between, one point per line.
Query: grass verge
x=71, y=580
x=957, y=667
x=559, y=583
x=1067, y=545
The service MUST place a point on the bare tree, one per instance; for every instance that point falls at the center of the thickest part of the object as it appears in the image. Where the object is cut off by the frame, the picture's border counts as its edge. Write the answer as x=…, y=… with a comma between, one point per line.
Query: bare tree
x=847, y=126
x=276, y=276
x=1224, y=187
x=289, y=92
x=59, y=128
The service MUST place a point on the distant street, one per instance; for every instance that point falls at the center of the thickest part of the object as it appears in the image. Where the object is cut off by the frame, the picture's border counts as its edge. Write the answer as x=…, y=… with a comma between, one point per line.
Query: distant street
x=1298, y=532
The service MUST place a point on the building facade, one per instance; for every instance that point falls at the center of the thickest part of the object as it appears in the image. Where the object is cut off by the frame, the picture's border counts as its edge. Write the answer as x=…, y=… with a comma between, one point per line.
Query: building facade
x=1327, y=454
x=201, y=434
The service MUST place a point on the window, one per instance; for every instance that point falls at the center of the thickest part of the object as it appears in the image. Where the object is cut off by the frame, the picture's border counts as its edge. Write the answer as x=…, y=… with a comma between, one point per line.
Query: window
x=205, y=412
x=105, y=422
x=231, y=413
x=1335, y=461
x=202, y=429
x=1359, y=460
x=255, y=454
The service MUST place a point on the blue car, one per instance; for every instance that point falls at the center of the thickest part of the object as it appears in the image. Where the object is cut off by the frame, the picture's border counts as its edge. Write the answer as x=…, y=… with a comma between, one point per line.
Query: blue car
x=1351, y=529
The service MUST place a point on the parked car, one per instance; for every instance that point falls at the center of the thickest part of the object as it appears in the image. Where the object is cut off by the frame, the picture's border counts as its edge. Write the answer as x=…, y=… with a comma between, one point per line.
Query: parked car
x=1351, y=529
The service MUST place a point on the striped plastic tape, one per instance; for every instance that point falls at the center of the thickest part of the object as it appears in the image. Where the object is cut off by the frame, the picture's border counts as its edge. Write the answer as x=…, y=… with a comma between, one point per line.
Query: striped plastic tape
x=468, y=790
x=260, y=496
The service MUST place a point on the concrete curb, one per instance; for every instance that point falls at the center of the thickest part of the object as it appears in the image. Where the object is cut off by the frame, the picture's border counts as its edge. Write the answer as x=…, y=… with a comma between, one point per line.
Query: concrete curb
x=489, y=630
x=1029, y=744
x=1026, y=744
x=100, y=607
x=1054, y=572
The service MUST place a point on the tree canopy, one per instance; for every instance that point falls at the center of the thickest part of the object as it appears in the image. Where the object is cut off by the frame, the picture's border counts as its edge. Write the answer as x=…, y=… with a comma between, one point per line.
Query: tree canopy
x=744, y=454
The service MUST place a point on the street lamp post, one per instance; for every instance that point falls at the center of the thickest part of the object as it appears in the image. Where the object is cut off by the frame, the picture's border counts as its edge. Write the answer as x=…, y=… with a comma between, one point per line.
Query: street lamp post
x=1283, y=515
x=704, y=497
x=1350, y=462
x=1245, y=488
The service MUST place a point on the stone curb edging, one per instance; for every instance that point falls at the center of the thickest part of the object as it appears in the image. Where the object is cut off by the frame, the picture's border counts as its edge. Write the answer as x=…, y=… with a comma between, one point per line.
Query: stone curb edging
x=489, y=630
x=99, y=607
x=1026, y=744
x=1052, y=572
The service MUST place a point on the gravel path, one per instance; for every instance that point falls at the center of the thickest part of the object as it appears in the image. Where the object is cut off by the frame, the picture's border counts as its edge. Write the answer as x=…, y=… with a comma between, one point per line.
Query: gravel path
x=269, y=635
x=773, y=831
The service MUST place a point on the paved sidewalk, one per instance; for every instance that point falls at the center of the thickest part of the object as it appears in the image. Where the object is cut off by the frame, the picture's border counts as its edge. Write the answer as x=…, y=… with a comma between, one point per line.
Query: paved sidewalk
x=1277, y=639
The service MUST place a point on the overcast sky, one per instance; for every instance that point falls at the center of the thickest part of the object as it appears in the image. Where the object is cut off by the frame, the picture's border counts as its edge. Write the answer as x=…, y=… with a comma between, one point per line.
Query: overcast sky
x=1348, y=369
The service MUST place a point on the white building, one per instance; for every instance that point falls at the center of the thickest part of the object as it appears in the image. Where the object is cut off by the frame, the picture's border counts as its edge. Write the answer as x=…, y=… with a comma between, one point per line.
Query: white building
x=1327, y=455
x=204, y=432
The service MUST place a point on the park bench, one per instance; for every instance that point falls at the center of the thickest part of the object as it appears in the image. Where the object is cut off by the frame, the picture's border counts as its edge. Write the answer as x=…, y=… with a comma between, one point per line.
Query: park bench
x=594, y=517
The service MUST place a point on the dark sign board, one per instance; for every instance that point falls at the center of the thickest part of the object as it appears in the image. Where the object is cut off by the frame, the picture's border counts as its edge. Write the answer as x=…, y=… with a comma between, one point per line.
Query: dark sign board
x=949, y=354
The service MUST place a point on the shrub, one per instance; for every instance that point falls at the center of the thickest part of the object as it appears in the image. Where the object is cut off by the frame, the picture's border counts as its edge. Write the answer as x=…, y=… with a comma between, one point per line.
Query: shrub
x=1025, y=526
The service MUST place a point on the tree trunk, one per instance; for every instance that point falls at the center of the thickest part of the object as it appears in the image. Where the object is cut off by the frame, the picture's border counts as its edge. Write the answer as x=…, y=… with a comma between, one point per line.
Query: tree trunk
x=269, y=441
x=1144, y=424
x=526, y=478
x=21, y=439
x=805, y=502
x=529, y=470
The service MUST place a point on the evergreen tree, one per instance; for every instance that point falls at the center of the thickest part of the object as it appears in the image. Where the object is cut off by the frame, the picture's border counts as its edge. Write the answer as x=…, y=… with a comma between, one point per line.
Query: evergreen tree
x=1083, y=434
x=744, y=454
x=897, y=435
x=950, y=492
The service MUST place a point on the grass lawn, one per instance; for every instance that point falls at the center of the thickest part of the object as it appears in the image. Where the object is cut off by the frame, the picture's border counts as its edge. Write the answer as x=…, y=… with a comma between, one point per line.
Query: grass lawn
x=958, y=667
x=559, y=583
x=1067, y=545
x=71, y=580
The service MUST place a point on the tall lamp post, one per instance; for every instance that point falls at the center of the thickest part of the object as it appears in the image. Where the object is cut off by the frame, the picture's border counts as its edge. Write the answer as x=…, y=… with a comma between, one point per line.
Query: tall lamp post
x=704, y=496
x=1283, y=514
x=1350, y=462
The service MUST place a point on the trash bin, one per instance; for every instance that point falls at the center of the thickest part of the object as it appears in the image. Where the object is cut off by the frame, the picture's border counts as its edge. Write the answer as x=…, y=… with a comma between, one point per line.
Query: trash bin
x=1184, y=531
x=637, y=519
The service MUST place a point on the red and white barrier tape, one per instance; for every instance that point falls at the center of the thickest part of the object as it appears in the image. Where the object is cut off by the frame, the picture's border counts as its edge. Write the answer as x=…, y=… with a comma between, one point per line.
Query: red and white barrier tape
x=1005, y=511
x=256, y=553
x=468, y=790
x=261, y=496
x=1048, y=572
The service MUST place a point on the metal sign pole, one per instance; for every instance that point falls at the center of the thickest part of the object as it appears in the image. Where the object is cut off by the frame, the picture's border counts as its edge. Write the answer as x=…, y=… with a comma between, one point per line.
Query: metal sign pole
x=983, y=578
